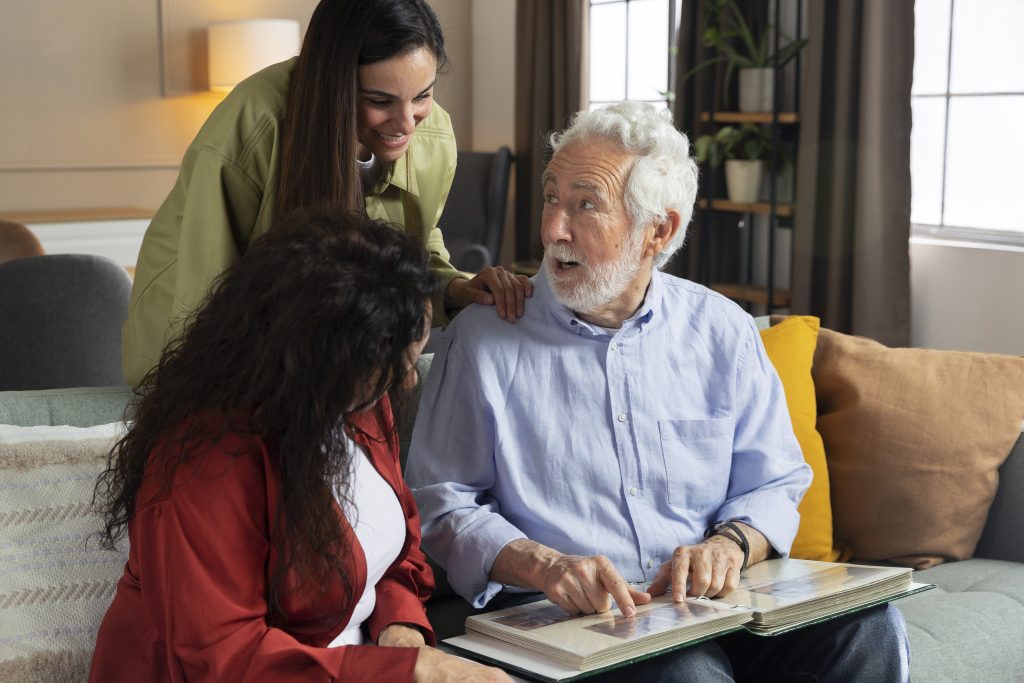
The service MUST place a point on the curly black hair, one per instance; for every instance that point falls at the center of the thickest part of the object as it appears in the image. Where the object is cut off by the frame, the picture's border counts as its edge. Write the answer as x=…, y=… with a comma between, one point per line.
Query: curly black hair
x=313, y=324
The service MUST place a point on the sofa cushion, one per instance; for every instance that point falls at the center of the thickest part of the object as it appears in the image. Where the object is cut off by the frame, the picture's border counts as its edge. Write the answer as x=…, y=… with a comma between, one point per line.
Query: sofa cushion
x=79, y=407
x=969, y=627
x=914, y=439
x=55, y=581
x=790, y=346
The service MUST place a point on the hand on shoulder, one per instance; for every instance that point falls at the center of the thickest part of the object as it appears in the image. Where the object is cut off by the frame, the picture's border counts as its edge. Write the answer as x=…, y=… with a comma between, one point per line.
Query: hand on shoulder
x=492, y=286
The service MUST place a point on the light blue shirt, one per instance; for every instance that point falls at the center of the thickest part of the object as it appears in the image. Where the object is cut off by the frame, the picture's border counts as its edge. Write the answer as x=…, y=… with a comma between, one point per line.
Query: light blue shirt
x=626, y=445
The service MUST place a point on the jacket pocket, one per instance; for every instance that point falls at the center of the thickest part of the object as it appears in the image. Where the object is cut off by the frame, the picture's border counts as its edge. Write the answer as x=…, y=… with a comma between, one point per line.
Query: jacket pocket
x=698, y=458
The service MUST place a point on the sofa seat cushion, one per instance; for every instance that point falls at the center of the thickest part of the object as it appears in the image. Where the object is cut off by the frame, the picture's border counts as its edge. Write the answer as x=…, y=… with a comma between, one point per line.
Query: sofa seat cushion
x=969, y=627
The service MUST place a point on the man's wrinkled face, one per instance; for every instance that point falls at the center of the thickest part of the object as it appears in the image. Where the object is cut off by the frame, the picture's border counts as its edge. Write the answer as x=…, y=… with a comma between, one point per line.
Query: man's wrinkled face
x=591, y=251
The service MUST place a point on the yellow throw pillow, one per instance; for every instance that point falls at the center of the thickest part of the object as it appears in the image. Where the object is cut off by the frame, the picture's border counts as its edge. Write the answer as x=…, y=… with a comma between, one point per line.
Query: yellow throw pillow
x=790, y=346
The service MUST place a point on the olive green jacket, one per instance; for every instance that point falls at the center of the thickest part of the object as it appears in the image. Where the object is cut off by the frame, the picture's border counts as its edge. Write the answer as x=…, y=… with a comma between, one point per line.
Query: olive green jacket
x=225, y=196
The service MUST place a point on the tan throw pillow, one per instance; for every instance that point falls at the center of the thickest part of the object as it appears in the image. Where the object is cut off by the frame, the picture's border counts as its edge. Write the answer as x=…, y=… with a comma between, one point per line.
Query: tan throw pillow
x=913, y=439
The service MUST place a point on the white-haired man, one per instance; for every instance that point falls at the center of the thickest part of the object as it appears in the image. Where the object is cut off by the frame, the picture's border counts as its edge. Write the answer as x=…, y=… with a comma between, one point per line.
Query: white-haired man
x=603, y=439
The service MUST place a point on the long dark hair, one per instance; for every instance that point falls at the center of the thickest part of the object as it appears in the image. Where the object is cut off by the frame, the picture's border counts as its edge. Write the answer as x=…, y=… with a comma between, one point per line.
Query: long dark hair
x=319, y=146
x=311, y=326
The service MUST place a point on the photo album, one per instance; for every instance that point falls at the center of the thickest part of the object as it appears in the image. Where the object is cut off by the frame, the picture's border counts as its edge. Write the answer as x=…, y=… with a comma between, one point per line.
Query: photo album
x=542, y=641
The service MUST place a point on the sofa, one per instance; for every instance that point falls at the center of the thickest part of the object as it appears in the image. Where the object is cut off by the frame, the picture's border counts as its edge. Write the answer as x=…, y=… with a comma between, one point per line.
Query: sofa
x=55, y=582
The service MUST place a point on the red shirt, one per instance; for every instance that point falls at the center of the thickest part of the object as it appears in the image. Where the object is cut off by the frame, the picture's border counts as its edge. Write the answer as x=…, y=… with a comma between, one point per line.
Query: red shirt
x=192, y=604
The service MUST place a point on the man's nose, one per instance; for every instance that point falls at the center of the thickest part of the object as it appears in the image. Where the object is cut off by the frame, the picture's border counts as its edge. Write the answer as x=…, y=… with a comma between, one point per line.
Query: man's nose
x=555, y=225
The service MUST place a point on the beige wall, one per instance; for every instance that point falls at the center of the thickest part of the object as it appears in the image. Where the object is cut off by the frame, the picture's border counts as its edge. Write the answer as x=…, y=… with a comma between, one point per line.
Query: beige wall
x=84, y=123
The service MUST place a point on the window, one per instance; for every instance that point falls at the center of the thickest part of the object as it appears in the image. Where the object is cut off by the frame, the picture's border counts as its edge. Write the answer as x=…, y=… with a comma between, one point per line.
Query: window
x=632, y=51
x=967, y=144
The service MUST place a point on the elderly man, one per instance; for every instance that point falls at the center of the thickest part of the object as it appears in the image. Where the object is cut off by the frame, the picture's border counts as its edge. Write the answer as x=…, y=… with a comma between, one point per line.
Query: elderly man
x=605, y=438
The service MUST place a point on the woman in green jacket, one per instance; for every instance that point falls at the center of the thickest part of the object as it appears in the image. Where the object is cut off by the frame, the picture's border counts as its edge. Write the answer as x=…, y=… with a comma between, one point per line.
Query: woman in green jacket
x=350, y=122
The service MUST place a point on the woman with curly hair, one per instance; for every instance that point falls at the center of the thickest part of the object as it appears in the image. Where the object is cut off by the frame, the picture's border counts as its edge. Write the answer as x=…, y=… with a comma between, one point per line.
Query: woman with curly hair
x=271, y=535
x=350, y=122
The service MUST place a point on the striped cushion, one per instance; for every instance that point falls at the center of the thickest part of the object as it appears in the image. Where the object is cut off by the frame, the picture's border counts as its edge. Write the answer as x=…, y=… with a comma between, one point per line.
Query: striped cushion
x=55, y=581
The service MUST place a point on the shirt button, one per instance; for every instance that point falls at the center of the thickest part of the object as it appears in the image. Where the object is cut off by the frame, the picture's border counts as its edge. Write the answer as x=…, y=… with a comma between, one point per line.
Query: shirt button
x=613, y=346
x=621, y=417
x=650, y=563
x=632, y=490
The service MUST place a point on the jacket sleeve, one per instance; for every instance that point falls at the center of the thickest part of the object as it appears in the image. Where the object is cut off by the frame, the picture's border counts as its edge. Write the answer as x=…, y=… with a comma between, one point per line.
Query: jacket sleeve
x=221, y=207
x=203, y=554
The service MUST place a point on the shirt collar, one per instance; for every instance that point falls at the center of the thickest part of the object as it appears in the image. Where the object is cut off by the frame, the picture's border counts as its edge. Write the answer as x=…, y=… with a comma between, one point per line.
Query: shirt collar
x=399, y=173
x=567, y=319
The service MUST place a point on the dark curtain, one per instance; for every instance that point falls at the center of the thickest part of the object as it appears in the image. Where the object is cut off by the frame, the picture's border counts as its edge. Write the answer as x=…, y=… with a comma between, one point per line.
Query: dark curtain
x=851, y=263
x=549, y=89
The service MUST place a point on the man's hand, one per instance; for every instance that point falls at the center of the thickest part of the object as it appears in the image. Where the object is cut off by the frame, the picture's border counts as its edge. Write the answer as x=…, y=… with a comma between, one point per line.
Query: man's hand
x=588, y=585
x=491, y=286
x=711, y=567
x=574, y=583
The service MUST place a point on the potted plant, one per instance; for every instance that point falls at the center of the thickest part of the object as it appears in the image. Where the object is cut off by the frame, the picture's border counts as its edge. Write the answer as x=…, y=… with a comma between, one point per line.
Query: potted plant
x=743, y=48
x=743, y=149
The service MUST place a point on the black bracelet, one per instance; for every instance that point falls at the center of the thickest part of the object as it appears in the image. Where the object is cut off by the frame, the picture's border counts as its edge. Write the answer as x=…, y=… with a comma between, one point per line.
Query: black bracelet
x=718, y=529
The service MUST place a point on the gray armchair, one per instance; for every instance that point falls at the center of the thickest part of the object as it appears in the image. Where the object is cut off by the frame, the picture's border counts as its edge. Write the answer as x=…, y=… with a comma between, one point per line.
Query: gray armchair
x=474, y=215
x=60, y=321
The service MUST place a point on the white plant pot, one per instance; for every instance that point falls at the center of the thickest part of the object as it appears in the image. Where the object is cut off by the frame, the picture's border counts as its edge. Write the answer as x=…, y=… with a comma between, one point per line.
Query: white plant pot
x=743, y=180
x=757, y=87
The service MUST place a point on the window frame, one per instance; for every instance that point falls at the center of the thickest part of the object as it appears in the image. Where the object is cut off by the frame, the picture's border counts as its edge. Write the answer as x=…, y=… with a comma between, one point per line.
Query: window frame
x=943, y=231
x=674, y=11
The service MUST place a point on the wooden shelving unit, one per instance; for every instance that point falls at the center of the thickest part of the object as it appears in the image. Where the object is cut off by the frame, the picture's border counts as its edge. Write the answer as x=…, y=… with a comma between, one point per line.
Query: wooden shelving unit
x=744, y=117
x=762, y=208
x=752, y=293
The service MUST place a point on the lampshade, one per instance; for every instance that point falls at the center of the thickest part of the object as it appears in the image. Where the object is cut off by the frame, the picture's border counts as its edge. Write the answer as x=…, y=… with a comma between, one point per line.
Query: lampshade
x=238, y=49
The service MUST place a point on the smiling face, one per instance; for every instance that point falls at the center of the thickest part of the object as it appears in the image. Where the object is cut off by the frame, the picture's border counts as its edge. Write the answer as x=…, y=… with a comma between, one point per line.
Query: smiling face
x=394, y=96
x=594, y=259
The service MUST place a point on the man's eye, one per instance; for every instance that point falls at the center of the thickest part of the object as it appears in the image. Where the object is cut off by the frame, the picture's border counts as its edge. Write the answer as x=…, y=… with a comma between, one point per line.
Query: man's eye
x=550, y=199
x=586, y=204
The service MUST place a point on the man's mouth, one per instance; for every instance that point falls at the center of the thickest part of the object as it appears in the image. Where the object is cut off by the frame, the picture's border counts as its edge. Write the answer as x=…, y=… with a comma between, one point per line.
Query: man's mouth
x=567, y=265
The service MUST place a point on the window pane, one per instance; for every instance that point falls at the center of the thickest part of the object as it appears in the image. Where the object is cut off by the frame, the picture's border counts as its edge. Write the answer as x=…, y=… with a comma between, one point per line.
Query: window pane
x=983, y=163
x=926, y=159
x=931, y=46
x=988, y=53
x=608, y=52
x=648, y=49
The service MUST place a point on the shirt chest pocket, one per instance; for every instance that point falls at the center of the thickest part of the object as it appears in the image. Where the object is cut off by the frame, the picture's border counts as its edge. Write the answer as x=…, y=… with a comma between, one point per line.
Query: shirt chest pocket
x=698, y=458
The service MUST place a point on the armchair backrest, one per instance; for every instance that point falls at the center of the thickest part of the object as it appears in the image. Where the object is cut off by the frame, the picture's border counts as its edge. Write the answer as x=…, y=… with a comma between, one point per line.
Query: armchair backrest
x=474, y=215
x=60, y=321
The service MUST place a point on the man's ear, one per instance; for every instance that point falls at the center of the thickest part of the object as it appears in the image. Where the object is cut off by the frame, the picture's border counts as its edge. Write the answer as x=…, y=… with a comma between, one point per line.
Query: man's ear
x=664, y=232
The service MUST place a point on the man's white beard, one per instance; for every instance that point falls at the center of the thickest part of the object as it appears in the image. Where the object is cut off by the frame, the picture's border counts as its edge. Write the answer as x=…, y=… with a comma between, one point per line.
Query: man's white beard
x=594, y=286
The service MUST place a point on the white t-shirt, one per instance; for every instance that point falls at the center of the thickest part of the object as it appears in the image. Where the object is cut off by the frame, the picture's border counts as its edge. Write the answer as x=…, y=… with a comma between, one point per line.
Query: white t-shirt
x=379, y=523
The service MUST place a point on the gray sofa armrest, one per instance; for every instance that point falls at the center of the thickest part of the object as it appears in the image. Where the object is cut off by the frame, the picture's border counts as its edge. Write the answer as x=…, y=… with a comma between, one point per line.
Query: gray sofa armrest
x=78, y=407
x=1003, y=537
